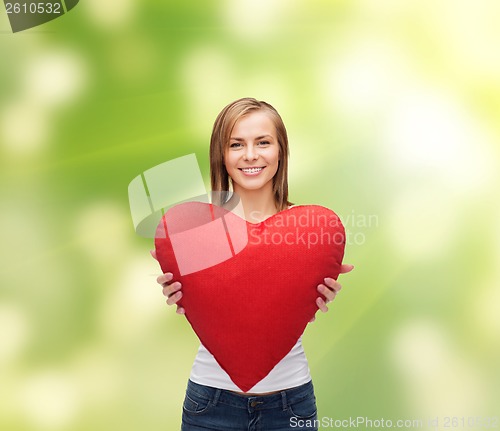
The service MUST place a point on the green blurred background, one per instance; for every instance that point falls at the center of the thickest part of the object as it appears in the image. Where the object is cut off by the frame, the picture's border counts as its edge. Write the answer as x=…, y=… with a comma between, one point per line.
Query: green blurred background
x=392, y=109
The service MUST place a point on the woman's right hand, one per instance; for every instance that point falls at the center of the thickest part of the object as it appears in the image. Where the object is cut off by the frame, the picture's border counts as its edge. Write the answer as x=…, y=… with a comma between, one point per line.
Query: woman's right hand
x=171, y=290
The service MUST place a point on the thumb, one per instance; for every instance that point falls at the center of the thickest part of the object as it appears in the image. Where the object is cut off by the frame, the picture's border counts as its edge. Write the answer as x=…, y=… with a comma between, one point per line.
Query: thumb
x=153, y=253
x=345, y=268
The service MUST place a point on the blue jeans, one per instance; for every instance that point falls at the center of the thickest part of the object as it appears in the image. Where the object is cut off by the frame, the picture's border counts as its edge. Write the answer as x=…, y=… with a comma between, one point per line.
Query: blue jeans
x=206, y=408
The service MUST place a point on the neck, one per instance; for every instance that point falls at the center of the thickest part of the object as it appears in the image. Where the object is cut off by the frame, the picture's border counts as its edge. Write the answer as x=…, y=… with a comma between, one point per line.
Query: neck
x=256, y=205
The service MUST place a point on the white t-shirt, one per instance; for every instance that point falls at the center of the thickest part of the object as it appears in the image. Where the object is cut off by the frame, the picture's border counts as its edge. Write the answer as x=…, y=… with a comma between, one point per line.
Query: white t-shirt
x=291, y=371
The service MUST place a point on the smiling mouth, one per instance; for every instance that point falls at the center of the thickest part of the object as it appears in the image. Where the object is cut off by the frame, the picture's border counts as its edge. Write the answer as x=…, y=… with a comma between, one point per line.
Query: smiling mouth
x=252, y=170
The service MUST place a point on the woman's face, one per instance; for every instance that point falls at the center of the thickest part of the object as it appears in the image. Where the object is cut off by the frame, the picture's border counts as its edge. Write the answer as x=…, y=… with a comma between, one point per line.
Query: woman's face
x=252, y=157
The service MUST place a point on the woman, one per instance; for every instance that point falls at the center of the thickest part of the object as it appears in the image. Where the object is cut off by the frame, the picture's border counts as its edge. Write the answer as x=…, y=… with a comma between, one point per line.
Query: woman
x=249, y=153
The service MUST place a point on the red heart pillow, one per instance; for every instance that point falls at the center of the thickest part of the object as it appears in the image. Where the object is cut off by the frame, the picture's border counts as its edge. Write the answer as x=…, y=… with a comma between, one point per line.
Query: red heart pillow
x=249, y=290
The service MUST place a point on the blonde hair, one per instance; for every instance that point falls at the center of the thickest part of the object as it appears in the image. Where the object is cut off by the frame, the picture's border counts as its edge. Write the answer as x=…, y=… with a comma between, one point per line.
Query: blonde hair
x=219, y=140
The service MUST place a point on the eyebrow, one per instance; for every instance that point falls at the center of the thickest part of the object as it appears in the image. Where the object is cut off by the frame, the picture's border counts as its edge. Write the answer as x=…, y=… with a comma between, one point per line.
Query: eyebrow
x=257, y=138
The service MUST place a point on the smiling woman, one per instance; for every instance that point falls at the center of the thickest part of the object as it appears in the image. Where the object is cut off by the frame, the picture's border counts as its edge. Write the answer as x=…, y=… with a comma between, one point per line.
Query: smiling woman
x=249, y=170
x=249, y=151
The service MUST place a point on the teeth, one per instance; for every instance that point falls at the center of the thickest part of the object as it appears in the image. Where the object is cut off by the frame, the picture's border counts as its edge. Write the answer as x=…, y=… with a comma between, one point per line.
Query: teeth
x=251, y=170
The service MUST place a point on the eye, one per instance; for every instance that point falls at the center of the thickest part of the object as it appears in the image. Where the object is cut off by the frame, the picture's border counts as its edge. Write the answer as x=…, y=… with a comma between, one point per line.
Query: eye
x=235, y=145
x=264, y=143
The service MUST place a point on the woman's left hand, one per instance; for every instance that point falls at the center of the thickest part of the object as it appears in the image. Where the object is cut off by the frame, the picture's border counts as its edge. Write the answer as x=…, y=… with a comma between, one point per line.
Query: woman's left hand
x=330, y=289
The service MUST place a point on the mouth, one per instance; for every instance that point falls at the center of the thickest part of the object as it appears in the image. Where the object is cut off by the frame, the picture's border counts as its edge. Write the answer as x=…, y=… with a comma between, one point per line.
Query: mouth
x=252, y=171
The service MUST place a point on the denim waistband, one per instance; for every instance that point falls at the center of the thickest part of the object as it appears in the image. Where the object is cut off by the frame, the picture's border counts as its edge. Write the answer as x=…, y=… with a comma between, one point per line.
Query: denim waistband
x=258, y=402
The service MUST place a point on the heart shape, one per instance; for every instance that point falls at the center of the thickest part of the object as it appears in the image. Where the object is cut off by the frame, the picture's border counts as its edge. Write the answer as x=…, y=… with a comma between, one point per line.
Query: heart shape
x=249, y=290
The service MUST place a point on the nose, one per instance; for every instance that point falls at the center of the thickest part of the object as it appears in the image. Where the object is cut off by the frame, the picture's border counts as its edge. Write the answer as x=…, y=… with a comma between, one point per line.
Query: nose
x=250, y=153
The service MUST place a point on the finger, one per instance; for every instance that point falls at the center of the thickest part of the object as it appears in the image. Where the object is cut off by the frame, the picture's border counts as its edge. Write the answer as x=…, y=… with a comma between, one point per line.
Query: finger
x=333, y=284
x=164, y=278
x=313, y=319
x=345, y=268
x=170, y=289
x=327, y=293
x=321, y=305
x=174, y=298
x=153, y=253
x=180, y=310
